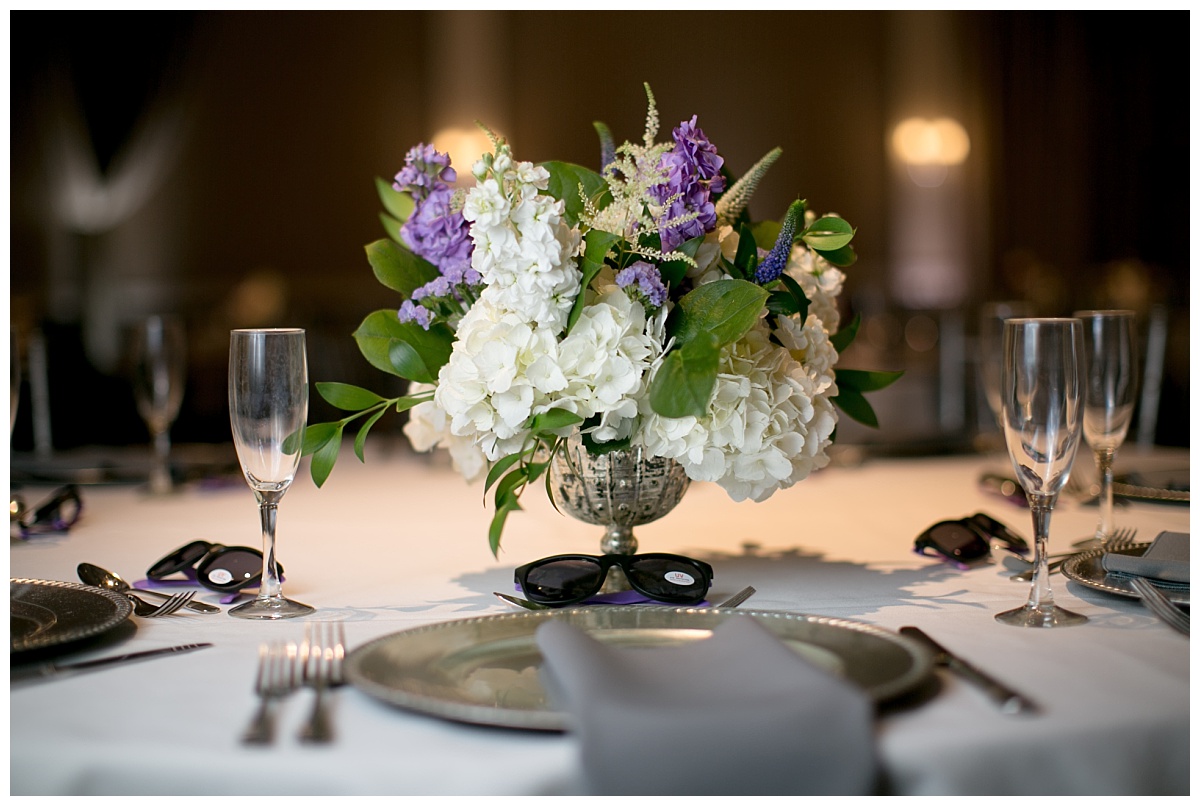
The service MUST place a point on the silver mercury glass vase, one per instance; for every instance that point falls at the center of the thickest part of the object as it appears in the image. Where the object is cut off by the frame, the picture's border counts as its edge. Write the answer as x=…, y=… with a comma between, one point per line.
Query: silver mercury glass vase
x=617, y=490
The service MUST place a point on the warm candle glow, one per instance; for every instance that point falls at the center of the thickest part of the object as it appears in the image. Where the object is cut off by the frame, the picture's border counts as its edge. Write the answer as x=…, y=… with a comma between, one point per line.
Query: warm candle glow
x=943, y=141
x=464, y=146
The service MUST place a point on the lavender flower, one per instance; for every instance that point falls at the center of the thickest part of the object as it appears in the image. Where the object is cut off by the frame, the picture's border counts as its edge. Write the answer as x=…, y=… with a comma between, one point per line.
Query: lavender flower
x=645, y=281
x=693, y=171
x=425, y=168
x=410, y=312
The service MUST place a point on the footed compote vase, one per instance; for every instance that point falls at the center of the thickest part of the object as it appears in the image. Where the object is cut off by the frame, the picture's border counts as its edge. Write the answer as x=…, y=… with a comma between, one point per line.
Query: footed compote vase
x=618, y=490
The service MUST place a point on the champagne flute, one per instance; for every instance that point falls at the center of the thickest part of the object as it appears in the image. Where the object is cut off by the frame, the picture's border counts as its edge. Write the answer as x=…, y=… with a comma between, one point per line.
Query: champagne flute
x=1041, y=406
x=1110, y=387
x=268, y=407
x=159, y=369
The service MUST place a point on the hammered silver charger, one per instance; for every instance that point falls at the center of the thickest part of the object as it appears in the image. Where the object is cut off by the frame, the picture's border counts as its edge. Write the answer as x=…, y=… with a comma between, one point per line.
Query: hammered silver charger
x=486, y=670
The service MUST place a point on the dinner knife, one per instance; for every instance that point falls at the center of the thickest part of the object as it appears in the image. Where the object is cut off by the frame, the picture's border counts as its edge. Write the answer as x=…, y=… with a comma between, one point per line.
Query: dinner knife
x=49, y=670
x=1009, y=700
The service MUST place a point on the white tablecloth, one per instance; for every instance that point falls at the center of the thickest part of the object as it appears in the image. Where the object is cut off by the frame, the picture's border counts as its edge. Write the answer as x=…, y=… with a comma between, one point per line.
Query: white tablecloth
x=402, y=542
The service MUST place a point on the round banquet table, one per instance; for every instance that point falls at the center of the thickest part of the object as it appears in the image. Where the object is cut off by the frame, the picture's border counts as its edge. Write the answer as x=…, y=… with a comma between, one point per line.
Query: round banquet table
x=401, y=541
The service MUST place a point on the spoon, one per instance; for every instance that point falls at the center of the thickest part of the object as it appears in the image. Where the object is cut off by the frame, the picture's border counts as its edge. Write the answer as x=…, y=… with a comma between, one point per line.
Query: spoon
x=100, y=578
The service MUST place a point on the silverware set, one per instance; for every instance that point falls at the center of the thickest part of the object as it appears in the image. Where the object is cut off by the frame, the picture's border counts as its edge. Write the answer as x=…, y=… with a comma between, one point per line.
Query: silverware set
x=283, y=667
x=172, y=603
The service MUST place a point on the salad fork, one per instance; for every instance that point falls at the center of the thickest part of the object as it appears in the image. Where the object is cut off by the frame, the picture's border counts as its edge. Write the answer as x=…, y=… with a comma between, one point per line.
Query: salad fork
x=320, y=667
x=274, y=680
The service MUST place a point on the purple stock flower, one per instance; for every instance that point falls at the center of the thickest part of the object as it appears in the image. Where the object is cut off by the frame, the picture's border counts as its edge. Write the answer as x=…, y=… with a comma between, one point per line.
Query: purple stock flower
x=693, y=170
x=434, y=231
x=646, y=281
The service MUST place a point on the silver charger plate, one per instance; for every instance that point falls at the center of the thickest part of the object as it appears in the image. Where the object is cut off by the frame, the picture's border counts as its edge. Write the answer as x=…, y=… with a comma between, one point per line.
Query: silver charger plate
x=485, y=670
x=45, y=613
x=1087, y=570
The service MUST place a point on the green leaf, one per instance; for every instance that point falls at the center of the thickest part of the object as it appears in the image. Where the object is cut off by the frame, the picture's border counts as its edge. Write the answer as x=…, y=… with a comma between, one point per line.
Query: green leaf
x=397, y=268
x=866, y=380
x=596, y=244
x=856, y=406
x=497, y=528
x=501, y=467
x=841, y=258
x=360, y=439
x=347, y=397
x=724, y=310
x=316, y=436
x=325, y=458
x=746, y=259
x=391, y=226
x=398, y=203
x=552, y=420
x=782, y=303
x=684, y=383
x=793, y=288
x=404, y=348
x=842, y=339
x=565, y=179
x=600, y=448
x=828, y=233
x=408, y=401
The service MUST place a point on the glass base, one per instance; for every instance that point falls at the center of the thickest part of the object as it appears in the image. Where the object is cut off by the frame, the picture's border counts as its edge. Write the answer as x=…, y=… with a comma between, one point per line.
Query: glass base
x=1030, y=616
x=271, y=609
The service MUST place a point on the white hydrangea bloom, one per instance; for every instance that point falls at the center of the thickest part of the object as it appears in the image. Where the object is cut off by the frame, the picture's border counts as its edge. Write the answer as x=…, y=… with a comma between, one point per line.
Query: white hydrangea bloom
x=769, y=423
x=721, y=242
x=428, y=427
x=821, y=281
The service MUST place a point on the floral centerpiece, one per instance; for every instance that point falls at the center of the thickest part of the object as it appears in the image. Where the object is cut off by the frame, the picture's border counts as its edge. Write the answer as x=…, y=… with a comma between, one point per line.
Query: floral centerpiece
x=634, y=306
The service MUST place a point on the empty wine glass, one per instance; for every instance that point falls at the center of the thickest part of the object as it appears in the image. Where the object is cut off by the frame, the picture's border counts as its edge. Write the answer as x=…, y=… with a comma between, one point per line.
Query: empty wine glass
x=1110, y=387
x=268, y=407
x=159, y=370
x=1041, y=411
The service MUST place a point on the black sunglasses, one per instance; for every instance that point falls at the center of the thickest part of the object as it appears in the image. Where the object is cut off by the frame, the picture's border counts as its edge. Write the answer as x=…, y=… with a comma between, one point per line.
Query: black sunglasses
x=968, y=539
x=569, y=578
x=225, y=569
x=58, y=513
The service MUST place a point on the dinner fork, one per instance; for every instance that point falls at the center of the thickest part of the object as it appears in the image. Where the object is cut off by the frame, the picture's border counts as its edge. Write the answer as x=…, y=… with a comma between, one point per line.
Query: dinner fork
x=320, y=664
x=274, y=680
x=1121, y=538
x=1161, y=606
x=169, y=606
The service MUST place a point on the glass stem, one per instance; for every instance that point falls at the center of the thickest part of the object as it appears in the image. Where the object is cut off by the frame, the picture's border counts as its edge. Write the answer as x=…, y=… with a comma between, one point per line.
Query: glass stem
x=1040, y=596
x=271, y=588
x=160, y=472
x=1104, y=464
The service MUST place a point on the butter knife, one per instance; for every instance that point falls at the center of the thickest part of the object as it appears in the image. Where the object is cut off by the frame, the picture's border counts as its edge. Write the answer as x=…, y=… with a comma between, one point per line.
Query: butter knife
x=1009, y=700
x=48, y=670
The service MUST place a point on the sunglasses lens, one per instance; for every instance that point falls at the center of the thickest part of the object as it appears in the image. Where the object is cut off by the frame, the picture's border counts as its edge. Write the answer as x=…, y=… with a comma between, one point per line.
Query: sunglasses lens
x=179, y=559
x=998, y=531
x=563, y=580
x=957, y=541
x=668, y=579
x=231, y=569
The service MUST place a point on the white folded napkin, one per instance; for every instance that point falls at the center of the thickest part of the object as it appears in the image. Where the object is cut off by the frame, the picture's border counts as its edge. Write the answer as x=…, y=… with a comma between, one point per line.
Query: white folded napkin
x=1167, y=558
x=734, y=714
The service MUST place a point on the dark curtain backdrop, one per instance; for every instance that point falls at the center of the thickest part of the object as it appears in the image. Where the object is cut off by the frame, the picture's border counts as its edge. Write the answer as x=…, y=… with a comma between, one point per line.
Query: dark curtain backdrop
x=1080, y=128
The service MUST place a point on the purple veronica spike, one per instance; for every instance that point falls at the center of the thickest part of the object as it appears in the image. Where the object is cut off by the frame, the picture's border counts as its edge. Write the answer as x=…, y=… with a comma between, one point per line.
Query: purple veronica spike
x=777, y=259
